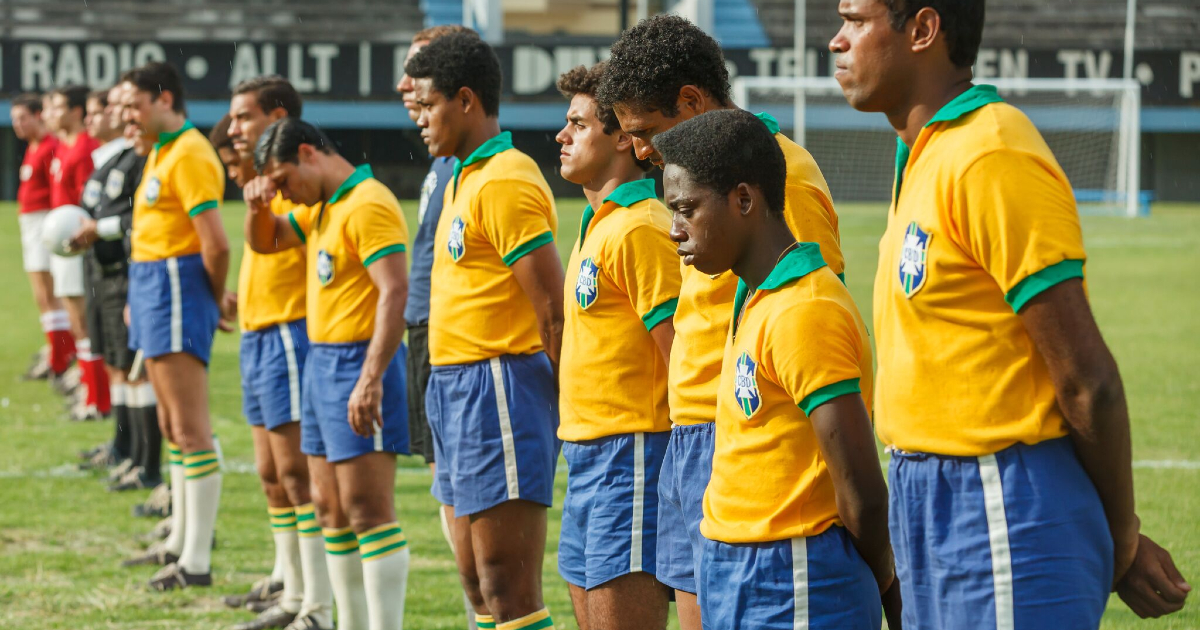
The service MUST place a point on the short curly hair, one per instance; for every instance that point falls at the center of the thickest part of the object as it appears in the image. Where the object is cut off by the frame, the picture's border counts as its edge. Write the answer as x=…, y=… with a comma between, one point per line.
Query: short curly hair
x=652, y=61
x=723, y=148
x=460, y=60
x=584, y=80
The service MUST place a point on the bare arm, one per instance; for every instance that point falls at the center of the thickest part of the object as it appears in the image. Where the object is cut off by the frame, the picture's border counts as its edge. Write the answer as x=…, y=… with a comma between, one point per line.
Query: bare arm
x=390, y=276
x=214, y=249
x=664, y=335
x=1092, y=398
x=266, y=232
x=540, y=275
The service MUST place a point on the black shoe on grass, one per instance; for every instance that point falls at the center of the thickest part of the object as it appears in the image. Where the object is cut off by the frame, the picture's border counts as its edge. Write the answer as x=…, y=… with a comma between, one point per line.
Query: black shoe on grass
x=173, y=577
x=154, y=555
x=273, y=617
x=261, y=591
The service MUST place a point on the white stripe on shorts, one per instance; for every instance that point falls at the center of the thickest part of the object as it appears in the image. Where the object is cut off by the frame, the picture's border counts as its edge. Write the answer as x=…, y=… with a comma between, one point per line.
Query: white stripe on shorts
x=506, y=433
x=997, y=522
x=176, y=305
x=289, y=352
x=639, y=501
x=800, y=583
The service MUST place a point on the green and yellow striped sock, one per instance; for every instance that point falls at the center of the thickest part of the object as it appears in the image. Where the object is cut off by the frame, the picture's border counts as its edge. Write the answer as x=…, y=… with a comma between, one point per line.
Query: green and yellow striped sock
x=485, y=622
x=201, y=464
x=382, y=541
x=306, y=521
x=537, y=621
x=282, y=519
x=340, y=541
x=174, y=454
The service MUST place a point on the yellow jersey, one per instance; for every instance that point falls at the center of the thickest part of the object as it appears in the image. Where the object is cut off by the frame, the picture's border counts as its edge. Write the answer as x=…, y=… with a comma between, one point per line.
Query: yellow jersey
x=498, y=208
x=800, y=342
x=702, y=318
x=623, y=280
x=360, y=224
x=182, y=178
x=271, y=287
x=982, y=220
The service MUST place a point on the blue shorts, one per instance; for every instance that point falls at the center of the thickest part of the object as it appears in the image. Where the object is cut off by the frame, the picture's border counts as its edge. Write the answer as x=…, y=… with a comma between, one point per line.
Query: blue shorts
x=816, y=583
x=610, y=515
x=1015, y=539
x=171, y=308
x=493, y=444
x=685, y=474
x=272, y=361
x=330, y=374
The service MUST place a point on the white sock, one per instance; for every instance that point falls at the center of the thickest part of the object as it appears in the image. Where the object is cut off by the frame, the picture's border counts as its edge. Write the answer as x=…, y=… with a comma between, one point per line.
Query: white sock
x=280, y=542
x=174, y=541
x=346, y=576
x=385, y=560
x=318, y=592
x=287, y=549
x=203, y=496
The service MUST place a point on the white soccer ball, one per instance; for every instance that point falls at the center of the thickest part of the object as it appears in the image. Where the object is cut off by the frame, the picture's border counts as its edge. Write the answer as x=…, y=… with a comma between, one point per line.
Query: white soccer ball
x=60, y=226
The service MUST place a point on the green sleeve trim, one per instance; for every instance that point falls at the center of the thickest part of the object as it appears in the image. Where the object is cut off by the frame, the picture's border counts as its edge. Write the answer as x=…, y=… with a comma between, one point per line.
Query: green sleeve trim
x=204, y=207
x=530, y=245
x=828, y=393
x=842, y=277
x=390, y=249
x=296, y=226
x=660, y=313
x=1035, y=284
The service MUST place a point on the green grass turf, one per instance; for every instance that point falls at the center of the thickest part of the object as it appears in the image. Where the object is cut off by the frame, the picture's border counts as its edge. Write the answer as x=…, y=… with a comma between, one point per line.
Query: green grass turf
x=62, y=535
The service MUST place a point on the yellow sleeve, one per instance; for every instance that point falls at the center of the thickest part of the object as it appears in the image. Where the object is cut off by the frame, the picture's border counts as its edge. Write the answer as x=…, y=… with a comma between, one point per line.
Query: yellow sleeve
x=301, y=218
x=813, y=220
x=645, y=267
x=1016, y=215
x=813, y=351
x=375, y=230
x=199, y=182
x=514, y=217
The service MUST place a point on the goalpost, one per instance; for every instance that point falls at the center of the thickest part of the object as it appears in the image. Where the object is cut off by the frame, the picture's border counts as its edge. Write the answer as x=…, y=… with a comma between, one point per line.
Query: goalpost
x=1091, y=125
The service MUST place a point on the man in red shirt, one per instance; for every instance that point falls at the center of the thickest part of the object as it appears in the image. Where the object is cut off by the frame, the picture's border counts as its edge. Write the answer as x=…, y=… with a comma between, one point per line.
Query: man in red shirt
x=33, y=198
x=64, y=110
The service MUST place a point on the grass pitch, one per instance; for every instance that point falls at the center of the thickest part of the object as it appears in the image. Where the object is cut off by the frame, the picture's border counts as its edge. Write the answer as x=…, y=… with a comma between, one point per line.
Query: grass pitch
x=62, y=536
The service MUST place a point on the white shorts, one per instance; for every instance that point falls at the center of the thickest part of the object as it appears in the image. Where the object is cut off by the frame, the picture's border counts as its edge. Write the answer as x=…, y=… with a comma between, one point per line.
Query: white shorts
x=35, y=254
x=68, y=275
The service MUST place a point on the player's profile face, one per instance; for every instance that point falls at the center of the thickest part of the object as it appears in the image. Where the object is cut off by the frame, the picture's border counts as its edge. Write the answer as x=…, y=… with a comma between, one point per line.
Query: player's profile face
x=233, y=165
x=866, y=49
x=51, y=113
x=586, y=149
x=698, y=221
x=437, y=119
x=292, y=182
x=23, y=122
x=405, y=86
x=642, y=126
x=247, y=121
x=139, y=112
x=96, y=121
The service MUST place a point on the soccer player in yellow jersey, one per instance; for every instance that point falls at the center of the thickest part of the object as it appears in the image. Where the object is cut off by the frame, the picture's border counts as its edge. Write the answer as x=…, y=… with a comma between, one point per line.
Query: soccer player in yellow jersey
x=795, y=515
x=662, y=72
x=180, y=257
x=354, y=411
x=271, y=304
x=616, y=342
x=1012, y=490
x=495, y=326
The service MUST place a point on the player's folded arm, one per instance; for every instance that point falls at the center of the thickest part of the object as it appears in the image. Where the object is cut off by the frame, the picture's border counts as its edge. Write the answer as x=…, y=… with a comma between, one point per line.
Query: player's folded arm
x=1015, y=213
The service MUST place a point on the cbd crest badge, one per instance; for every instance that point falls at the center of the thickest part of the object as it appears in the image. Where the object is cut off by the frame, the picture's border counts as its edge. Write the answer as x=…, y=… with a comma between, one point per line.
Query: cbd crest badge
x=115, y=184
x=153, y=188
x=586, y=285
x=91, y=194
x=456, y=244
x=914, y=259
x=745, y=385
x=324, y=267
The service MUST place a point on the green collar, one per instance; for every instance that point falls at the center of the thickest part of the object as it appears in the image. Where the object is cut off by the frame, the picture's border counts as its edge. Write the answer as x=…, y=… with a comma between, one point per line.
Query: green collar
x=804, y=259
x=499, y=143
x=975, y=97
x=624, y=195
x=769, y=121
x=167, y=138
x=359, y=175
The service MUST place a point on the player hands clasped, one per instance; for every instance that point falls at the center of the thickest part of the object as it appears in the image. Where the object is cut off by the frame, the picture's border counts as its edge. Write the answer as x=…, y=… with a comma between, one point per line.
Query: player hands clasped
x=806, y=544
x=981, y=269
x=495, y=328
x=618, y=306
x=353, y=410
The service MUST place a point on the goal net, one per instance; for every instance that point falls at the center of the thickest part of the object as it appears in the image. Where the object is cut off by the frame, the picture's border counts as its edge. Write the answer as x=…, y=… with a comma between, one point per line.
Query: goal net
x=1092, y=126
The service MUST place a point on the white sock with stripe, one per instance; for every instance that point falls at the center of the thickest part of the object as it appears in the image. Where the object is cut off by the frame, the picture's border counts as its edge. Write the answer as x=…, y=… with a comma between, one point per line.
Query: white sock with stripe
x=318, y=591
x=385, y=560
x=203, y=496
x=174, y=540
x=287, y=555
x=346, y=575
